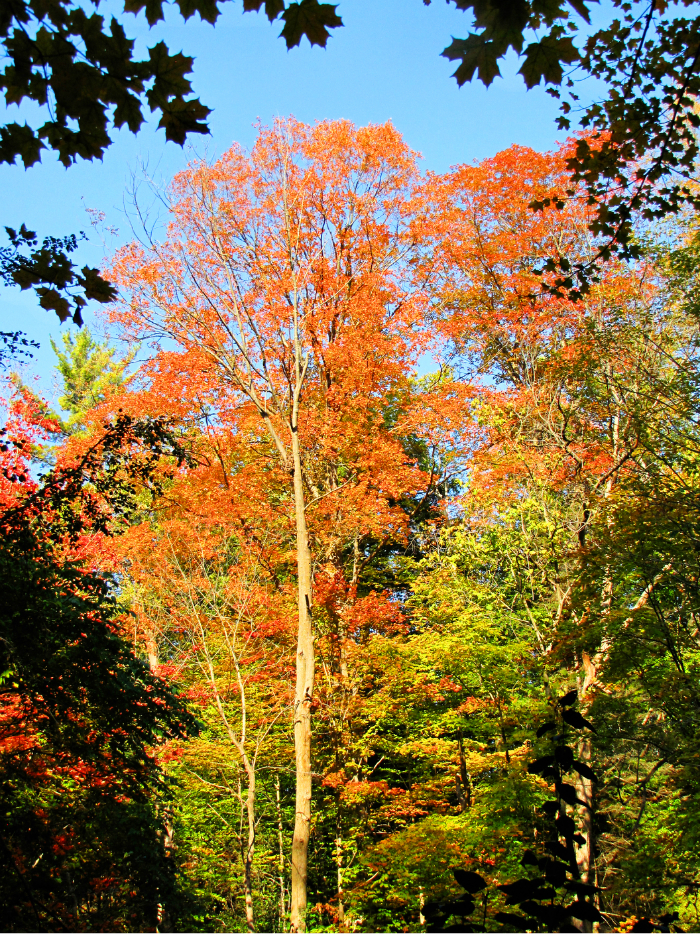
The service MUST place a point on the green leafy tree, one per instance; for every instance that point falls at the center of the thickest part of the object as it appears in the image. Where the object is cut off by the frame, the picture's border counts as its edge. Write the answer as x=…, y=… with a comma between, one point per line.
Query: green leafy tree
x=90, y=370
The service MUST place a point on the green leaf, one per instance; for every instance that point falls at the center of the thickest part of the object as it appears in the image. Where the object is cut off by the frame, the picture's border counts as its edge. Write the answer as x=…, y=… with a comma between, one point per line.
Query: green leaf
x=95, y=286
x=181, y=117
x=544, y=60
x=477, y=56
x=22, y=141
x=311, y=19
x=54, y=301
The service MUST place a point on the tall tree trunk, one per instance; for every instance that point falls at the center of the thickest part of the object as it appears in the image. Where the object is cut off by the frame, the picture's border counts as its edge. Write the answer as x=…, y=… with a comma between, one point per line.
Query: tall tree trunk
x=464, y=779
x=339, y=865
x=152, y=649
x=280, y=843
x=584, y=792
x=302, y=703
x=250, y=847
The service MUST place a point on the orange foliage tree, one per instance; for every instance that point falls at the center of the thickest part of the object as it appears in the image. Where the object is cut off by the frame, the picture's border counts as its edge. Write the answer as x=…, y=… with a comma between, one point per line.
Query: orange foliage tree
x=295, y=284
x=570, y=392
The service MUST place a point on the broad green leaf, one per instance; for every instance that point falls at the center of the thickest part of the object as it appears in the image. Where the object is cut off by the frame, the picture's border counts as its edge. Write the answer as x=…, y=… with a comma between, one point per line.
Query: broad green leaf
x=311, y=19
x=477, y=56
x=544, y=59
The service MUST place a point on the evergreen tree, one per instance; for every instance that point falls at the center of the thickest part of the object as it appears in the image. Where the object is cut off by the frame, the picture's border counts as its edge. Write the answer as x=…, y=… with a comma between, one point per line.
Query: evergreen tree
x=90, y=371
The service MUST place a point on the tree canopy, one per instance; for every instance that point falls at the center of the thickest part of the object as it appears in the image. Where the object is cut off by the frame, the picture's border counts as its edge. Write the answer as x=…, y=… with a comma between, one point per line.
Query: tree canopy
x=328, y=642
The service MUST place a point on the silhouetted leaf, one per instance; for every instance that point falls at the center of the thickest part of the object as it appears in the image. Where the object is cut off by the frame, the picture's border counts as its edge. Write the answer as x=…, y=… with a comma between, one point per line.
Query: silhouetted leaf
x=552, y=916
x=96, y=287
x=568, y=793
x=311, y=19
x=543, y=59
x=54, y=301
x=529, y=859
x=273, y=8
x=643, y=926
x=565, y=826
x=564, y=756
x=539, y=765
x=574, y=718
x=584, y=770
x=477, y=56
x=22, y=141
x=432, y=910
x=520, y=890
x=471, y=881
x=558, y=849
x=182, y=117
x=581, y=888
x=460, y=906
x=555, y=872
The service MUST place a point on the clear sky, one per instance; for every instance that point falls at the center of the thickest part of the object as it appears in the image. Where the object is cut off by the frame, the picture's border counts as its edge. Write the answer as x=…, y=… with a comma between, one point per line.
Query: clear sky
x=384, y=64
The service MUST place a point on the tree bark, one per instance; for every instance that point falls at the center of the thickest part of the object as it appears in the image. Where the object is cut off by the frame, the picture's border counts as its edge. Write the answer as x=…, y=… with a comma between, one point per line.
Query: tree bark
x=464, y=777
x=302, y=702
x=250, y=847
x=152, y=650
x=280, y=842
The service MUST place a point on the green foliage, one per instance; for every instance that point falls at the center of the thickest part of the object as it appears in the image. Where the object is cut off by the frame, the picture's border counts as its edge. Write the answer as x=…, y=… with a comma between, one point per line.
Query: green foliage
x=83, y=797
x=48, y=270
x=82, y=70
x=89, y=372
x=84, y=73
x=641, y=144
x=207, y=835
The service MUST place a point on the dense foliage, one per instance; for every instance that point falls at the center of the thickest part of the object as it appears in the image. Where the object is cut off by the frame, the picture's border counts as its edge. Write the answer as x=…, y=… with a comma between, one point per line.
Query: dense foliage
x=459, y=611
x=83, y=796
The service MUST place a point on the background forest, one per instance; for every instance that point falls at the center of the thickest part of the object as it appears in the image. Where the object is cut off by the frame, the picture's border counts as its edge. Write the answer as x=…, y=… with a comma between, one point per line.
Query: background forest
x=354, y=586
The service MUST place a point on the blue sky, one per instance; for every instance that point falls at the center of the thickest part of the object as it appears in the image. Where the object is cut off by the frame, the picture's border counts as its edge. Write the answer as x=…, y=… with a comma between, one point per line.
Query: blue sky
x=383, y=65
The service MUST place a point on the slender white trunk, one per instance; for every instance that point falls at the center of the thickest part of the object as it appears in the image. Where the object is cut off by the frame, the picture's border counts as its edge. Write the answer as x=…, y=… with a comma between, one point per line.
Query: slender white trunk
x=280, y=842
x=249, y=848
x=302, y=703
